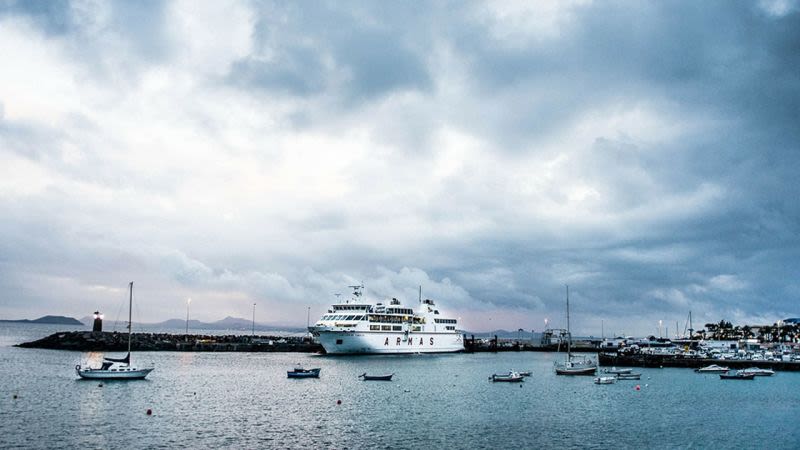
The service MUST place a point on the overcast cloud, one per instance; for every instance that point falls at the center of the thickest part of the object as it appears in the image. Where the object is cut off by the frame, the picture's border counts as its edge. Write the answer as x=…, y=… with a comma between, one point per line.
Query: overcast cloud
x=645, y=153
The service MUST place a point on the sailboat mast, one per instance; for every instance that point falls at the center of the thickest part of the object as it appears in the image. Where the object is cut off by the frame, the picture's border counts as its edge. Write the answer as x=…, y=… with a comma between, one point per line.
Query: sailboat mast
x=569, y=333
x=130, y=318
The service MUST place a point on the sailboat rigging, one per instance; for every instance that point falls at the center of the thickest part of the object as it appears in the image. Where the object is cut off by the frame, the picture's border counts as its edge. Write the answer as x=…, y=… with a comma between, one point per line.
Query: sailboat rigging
x=117, y=368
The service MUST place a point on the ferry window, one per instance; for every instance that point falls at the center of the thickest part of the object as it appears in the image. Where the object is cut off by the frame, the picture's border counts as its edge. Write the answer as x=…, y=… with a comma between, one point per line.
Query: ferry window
x=417, y=328
x=386, y=327
x=350, y=317
x=396, y=328
x=374, y=327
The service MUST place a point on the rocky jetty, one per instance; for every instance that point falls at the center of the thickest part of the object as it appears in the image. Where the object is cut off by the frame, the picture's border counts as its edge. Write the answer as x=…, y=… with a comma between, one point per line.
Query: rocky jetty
x=114, y=341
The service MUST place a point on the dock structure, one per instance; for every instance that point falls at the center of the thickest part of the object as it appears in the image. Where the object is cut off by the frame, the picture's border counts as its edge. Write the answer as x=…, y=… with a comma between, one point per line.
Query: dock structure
x=663, y=360
x=112, y=341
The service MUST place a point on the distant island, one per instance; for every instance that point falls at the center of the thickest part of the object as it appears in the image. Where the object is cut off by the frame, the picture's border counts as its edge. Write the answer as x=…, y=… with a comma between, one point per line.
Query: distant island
x=50, y=320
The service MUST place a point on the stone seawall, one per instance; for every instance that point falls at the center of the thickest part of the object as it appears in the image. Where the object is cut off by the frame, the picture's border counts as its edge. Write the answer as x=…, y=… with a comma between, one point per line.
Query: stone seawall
x=118, y=342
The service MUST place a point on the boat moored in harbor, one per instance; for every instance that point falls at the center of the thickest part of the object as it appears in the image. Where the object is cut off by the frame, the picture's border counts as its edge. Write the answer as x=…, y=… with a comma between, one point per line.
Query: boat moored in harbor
x=573, y=364
x=360, y=327
x=299, y=372
x=737, y=376
x=713, y=368
x=116, y=368
x=386, y=377
x=511, y=377
x=758, y=372
x=605, y=380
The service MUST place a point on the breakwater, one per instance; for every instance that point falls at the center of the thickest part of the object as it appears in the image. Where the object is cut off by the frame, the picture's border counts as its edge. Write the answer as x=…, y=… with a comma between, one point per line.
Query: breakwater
x=113, y=341
x=655, y=360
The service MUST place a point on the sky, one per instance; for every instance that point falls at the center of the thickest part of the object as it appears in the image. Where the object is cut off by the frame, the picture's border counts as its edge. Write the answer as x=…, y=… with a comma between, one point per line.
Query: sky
x=646, y=154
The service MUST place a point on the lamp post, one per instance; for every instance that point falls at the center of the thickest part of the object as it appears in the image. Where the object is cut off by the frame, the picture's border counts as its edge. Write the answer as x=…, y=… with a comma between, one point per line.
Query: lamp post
x=188, y=302
x=254, y=319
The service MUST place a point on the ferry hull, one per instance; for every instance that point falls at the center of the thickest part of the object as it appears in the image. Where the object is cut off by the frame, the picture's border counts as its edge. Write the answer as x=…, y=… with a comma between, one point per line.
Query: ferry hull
x=355, y=342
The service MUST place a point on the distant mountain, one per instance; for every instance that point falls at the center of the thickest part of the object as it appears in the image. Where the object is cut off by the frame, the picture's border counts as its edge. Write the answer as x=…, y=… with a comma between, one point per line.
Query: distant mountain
x=51, y=320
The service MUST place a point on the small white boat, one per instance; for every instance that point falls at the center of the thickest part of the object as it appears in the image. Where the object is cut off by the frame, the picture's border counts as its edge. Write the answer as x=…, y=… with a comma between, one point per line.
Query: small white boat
x=712, y=369
x=116, y=368
x=758, y=372
x=605, y=380
x=629, y=376
x=616, y=371
x=511, y=377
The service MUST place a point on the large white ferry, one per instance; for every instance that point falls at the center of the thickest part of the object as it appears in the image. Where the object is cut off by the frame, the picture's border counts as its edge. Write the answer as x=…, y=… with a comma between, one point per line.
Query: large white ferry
x=356, y=326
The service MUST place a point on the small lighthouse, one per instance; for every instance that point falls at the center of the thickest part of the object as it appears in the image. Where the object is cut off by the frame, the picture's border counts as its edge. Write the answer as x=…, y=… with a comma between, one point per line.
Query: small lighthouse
x=98, y=322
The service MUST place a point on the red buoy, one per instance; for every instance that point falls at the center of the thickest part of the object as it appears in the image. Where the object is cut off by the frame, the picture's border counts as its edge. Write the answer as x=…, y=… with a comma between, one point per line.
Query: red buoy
x=149, y=412
x=638, y=388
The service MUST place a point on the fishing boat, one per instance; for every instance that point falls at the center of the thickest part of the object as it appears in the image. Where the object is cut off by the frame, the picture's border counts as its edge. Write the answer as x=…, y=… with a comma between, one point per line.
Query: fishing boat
x=737, y=376
x=365, y=377
x=116, y=368
x=511, y=377
x=759, y=372
x=573, y=364
x=360, y=327
x=299, y=372
x=605, y=380
x=712, y=369
x=629, y=376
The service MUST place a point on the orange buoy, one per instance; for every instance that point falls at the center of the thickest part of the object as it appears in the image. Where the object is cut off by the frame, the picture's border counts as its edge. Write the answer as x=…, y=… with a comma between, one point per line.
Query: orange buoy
x=149, y=412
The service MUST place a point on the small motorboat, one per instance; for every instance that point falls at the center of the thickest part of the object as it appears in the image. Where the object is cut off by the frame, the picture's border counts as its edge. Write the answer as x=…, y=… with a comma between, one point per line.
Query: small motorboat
x=712, y=369
x=737, y=376
x=511, y=377
x=759, y=372
x=616, y=371
x=525, y=374
x=629, y=376
x=605, y=380
x=299, y=372
x=366, y=377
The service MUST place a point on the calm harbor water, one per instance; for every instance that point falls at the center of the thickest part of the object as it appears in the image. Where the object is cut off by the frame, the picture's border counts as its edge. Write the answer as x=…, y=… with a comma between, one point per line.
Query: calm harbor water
x=244, y=400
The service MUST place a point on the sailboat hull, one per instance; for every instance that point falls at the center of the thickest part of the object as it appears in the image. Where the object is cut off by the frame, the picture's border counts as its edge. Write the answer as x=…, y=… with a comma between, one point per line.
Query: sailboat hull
x=116, y=374
x=576, y=370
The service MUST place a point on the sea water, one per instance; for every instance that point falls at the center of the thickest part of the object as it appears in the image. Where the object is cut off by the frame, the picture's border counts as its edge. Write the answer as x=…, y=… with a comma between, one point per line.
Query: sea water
x=245, y=400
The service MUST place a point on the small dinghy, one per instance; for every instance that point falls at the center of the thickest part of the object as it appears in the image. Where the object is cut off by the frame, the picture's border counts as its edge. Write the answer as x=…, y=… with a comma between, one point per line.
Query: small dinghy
x=615, y=371
x=629, y=376
x=365, y=377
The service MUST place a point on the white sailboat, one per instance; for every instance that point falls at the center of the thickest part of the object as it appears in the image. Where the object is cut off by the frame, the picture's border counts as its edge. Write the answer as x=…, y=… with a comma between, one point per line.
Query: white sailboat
x=574, y=365
x=116, y=368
